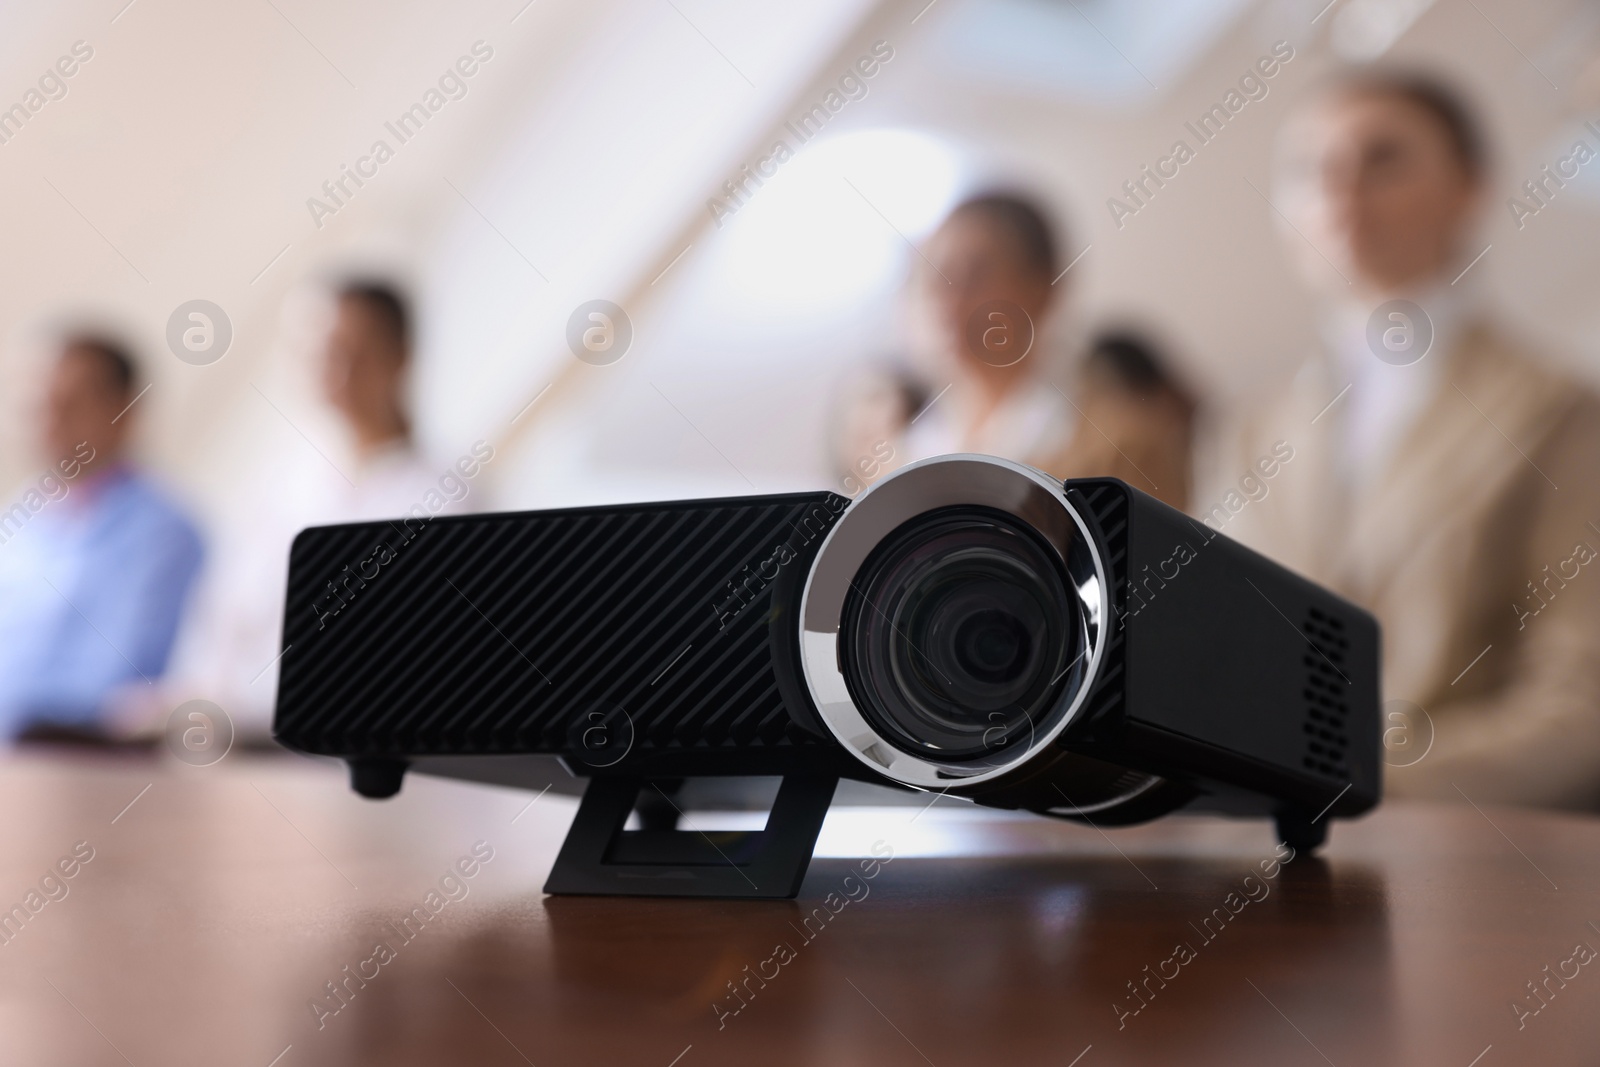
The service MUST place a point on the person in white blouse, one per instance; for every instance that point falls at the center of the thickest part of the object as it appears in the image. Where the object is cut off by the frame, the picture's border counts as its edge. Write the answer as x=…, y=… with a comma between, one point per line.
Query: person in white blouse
x=975, y=375
x=979, y=373
x=229, y=647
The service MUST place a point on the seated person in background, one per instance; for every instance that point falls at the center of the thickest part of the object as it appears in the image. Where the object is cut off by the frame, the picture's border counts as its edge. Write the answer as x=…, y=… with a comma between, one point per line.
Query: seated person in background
x=229, y=648
x=95, y=561
x=1136, y=421
x=980, y=305
x=1452, y=488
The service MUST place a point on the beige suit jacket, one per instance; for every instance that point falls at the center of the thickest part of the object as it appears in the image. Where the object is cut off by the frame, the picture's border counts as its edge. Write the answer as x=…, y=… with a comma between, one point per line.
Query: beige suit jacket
x=1476, y=548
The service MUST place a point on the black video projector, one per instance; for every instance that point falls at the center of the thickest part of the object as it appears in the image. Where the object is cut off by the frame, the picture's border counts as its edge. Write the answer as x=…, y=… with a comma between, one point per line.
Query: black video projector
x=968, y=626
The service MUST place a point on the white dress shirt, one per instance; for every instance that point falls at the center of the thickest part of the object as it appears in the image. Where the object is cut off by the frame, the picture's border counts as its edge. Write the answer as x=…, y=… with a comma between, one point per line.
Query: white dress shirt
x=1385, y=399
x=1031, y=421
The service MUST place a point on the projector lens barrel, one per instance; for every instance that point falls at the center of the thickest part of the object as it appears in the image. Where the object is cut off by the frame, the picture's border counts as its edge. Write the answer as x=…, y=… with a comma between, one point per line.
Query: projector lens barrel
x=961, y=634
x=952, y=621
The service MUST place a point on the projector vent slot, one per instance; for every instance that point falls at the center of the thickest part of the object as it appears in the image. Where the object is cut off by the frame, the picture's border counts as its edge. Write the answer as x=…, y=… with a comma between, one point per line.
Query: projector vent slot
x=1326, y=694
x=1106, y=505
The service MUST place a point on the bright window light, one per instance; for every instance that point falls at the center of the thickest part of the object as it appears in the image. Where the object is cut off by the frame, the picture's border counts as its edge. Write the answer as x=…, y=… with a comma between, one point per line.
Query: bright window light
x=832, y=225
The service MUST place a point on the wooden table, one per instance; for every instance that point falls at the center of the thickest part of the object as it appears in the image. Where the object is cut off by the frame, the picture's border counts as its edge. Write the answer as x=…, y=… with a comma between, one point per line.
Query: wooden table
x=220, y=901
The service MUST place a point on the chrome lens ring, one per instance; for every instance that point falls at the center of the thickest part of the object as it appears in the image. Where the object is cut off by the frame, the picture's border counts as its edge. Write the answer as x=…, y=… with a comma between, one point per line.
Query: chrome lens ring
x=934, y=485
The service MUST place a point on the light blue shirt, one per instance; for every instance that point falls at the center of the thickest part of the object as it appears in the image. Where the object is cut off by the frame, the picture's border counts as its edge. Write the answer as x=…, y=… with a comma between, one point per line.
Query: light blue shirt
x=92, y=585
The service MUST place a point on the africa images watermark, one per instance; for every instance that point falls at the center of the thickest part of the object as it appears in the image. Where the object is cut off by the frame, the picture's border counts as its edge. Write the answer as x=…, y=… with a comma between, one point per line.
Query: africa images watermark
x=868, y=467
x=1254, y=890
x=1552, y=583
x=1582, y=955
x=1140, y=190
x=53, y=887
x=599, y=332
x=1408, y=738
x=199, y=733
x=199, y=332
x=452, y=887
x=1540, y=191
x=50, y=488
x=52, y=85
x=1253, y=487
x=451, y=85
x=852, y=85
x=353, y=577
x=745, y=588
x=851, y=889
x=754, y=579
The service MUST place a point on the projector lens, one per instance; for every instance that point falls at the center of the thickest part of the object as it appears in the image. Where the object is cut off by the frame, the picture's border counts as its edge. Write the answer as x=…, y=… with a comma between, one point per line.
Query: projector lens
x=960, y=635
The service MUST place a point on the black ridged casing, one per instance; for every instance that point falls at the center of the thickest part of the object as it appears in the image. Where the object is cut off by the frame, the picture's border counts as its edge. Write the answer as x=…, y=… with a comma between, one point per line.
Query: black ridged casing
x=492, y=634
x=1228, y=671
x=1104, y=508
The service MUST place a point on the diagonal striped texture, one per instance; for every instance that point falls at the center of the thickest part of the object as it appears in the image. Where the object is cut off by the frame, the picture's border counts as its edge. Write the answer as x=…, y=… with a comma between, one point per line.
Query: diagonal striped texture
x=1107, y=512
x=493, y=634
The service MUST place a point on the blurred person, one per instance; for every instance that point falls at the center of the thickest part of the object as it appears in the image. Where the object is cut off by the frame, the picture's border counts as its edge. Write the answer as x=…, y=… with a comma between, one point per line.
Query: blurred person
x=96, y=562
x=229, y=650
x=1451, y=487
x=981, y=302
x=1136, y=420
x=365, y=361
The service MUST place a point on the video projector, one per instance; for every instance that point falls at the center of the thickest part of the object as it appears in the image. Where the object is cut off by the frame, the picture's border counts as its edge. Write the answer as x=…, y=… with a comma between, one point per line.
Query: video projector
x=967, y=626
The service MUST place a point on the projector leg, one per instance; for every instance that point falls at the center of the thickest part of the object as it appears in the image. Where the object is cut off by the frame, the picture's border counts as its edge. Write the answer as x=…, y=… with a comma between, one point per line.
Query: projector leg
x=1296, y=830
x=377, y=778
x=600, y=858
x=656, y=807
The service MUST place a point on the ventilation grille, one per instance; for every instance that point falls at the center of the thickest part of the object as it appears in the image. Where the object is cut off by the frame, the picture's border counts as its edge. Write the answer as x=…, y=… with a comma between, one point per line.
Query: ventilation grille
x=1107, y=507
x=1327, y=696
x=495, y=633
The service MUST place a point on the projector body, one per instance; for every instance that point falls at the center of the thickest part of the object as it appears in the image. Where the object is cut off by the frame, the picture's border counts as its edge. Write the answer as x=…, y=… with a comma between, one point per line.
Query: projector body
x=967, y=626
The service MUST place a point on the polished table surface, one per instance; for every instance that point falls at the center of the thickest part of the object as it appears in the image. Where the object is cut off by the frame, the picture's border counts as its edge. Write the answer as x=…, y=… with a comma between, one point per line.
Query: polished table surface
x=220, y=901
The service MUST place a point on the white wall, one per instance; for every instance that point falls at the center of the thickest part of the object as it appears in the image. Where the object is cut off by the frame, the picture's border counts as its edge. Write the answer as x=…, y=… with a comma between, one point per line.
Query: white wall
x=193, y=138
x=587, y=148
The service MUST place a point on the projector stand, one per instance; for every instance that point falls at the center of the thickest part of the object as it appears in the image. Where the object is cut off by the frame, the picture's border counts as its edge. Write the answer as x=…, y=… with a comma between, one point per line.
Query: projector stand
x=600, y=858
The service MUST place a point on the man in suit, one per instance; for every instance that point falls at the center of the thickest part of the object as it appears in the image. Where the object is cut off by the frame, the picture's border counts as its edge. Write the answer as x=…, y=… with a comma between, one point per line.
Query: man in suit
x=96, y=560
x=1443, y=475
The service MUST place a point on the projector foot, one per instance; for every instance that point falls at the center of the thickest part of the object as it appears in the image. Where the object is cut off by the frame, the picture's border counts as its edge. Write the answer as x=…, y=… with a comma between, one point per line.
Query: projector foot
x=600, y=858
x=1296, y=830
x=377, y=778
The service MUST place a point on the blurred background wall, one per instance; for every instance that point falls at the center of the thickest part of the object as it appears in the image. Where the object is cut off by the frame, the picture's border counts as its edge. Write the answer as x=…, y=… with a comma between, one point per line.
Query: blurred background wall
x=579, y=163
